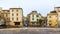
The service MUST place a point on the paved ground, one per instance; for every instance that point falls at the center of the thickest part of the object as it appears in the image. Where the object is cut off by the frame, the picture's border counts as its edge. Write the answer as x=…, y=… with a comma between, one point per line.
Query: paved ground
x=30, y=31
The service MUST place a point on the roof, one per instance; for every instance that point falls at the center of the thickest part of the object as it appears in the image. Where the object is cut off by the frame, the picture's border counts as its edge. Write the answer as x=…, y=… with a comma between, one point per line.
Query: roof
x=15, y=8
x=57, y=7
x=53, y=12
x=5, y=10
x=34, y=12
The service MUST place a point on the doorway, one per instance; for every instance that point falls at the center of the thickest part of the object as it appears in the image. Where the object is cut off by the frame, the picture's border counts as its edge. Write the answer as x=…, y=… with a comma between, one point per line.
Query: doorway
x=17, y=23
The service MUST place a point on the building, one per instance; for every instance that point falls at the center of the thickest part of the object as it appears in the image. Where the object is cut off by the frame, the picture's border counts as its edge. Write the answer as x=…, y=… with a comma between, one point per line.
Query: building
x=33, y=18
x=52, y=19
x=1, y=16
x=57, y=9
x=6, y=16
x=16, y=16
x=44, y=22
x=25, y=22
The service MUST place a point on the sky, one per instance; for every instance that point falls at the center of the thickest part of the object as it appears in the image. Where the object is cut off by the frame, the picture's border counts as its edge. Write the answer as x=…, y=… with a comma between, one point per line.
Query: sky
x=41, y=6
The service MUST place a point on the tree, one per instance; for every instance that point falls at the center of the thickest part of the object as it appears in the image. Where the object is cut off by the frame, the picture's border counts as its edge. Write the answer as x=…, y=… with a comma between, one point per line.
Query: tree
x=40, y=22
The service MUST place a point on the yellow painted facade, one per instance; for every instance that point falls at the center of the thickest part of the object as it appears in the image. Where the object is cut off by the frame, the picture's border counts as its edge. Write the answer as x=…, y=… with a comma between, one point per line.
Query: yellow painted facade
x=52, y=19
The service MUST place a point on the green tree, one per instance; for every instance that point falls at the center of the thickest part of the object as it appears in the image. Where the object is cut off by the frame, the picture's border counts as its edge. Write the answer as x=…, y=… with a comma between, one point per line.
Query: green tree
x=40, y=22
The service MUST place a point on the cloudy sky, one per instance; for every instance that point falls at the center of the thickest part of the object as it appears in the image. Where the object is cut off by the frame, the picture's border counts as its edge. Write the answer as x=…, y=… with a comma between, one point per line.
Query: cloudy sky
x=41, y=6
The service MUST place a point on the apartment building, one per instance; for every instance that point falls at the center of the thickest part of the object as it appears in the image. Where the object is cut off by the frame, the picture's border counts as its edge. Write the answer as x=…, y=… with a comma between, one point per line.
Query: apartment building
x=16, y=16
x=1, y=16
x=6, y=16
x=57, y=9
x=33, y=17
x=52, y=19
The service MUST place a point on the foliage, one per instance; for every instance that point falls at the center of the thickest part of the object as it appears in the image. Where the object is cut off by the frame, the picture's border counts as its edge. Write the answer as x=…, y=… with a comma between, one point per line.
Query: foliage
x=40, y=21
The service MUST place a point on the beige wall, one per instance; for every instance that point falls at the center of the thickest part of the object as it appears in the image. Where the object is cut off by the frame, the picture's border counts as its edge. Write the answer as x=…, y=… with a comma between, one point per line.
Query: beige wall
x=57, y=9
x=16, y=11
x=7, y=14
x=35, y=18
x=15, y=16
x=53, y=19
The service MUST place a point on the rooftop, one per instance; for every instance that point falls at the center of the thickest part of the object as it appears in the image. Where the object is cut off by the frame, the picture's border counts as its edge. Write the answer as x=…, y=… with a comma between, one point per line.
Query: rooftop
x=15, y=8
x=57, y=7
x=53, y=12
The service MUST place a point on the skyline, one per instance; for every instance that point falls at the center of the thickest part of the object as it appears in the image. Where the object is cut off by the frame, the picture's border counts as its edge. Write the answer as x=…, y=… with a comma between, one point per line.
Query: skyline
x=41, y=6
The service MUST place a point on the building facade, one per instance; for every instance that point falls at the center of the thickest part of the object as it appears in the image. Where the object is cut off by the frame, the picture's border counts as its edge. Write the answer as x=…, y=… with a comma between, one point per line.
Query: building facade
x=33, y=17
x=6, y=16
x=52, y=19
x=16, y=16
x=57, y=9
x=1, y=16
x=25, y=22
x=13, y=16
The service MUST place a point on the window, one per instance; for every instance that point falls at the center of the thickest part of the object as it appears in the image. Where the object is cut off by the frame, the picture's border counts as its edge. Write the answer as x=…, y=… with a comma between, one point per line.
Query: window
x=7, y=11
x=17, y=10
x=17, y=14
x=8, y=19
x=50, y=24
x=17, y=18
x=12, y=14
x=49, y=16
x=49, y=20
x=37, y=15
x=12, y=18
x=32, y=15
x=6, y=14
x=37, y=19
x=32, y=18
